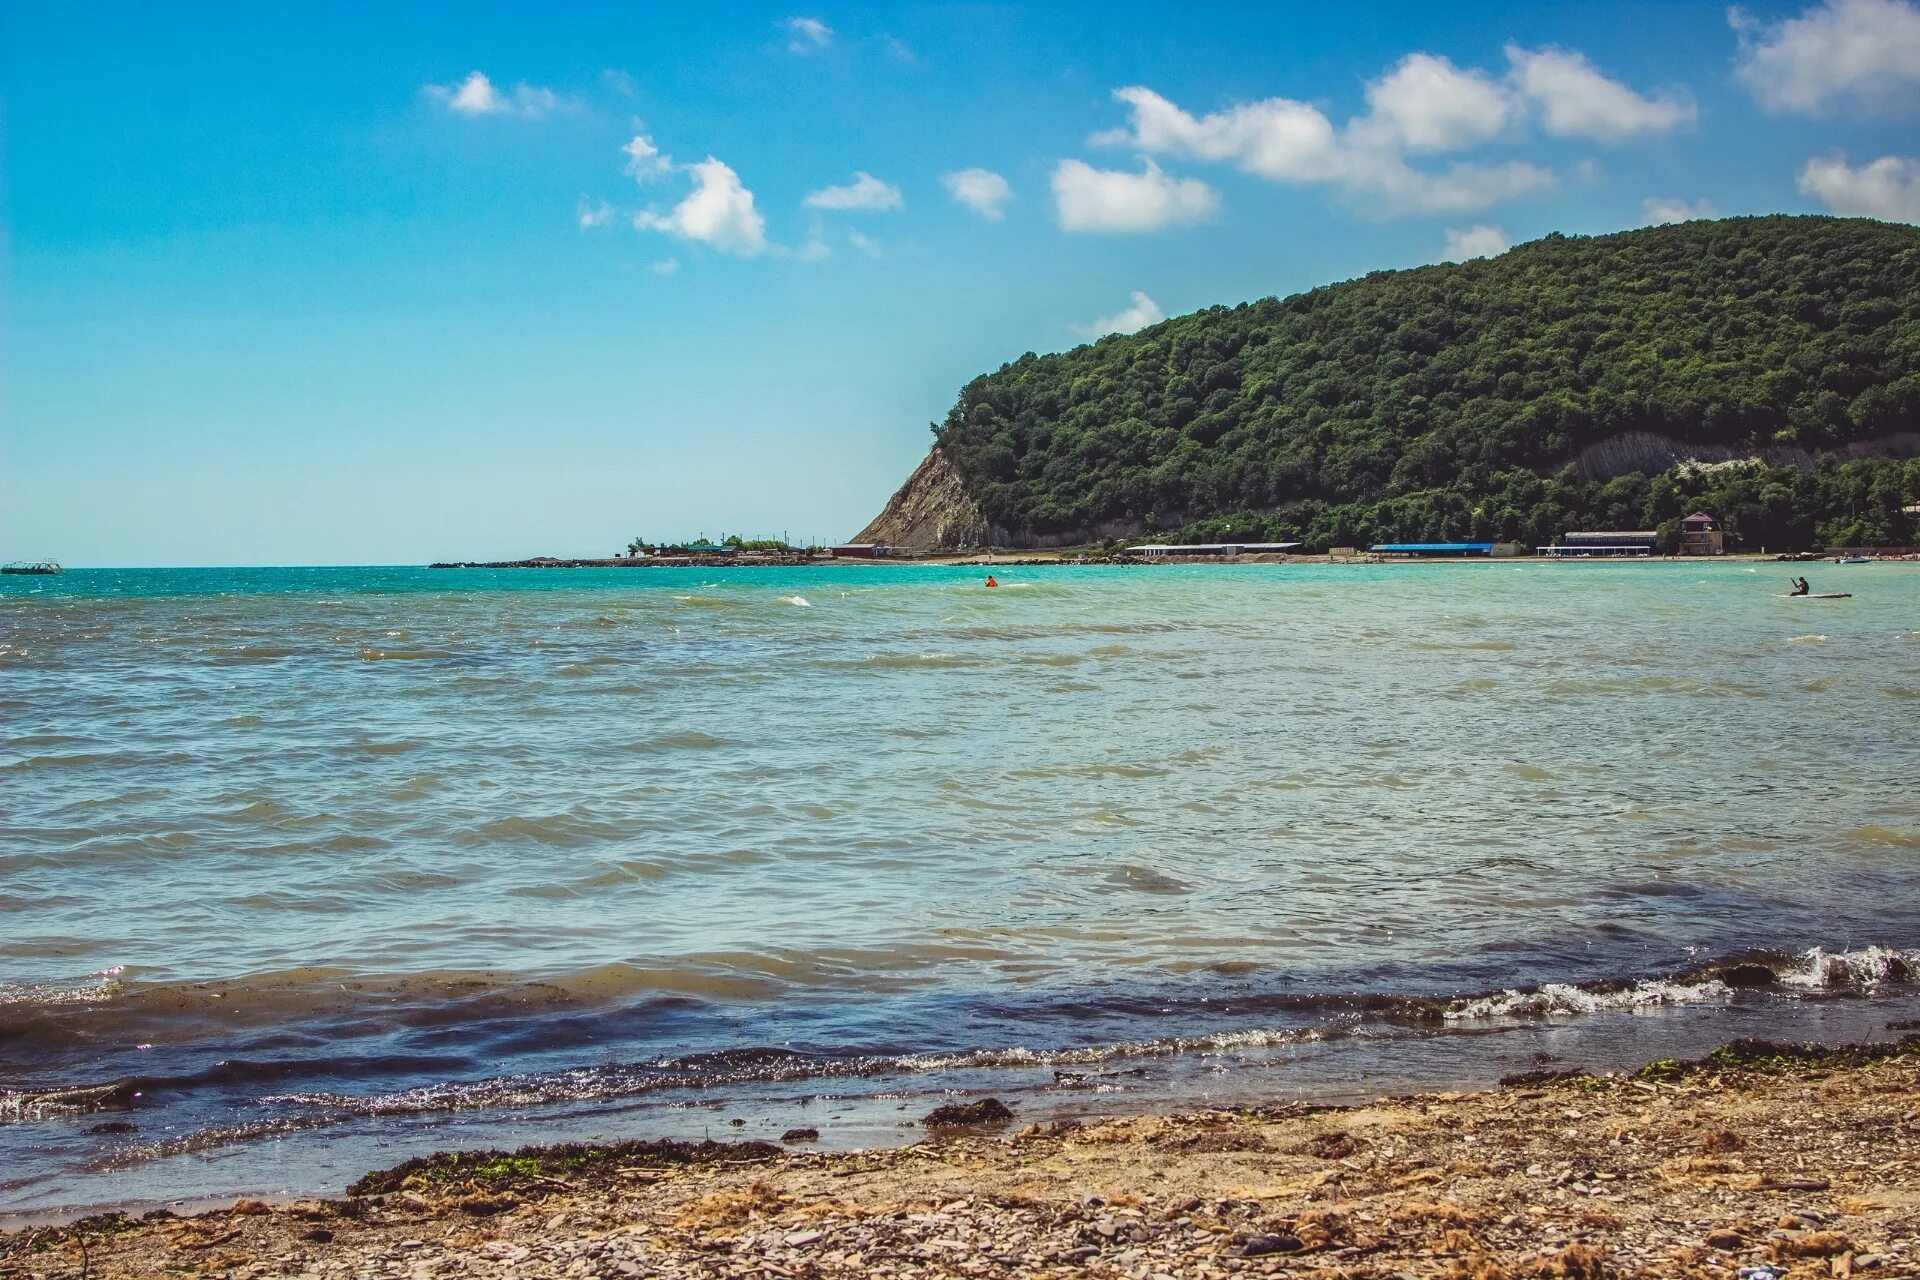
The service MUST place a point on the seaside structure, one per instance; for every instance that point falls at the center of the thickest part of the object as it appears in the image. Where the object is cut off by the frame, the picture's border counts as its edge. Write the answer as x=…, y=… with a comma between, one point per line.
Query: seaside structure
x=1604, y=544
x=1701, y=535
x=860, y=551
x=1431, y=550
x=709, y=549
x=1157, y=550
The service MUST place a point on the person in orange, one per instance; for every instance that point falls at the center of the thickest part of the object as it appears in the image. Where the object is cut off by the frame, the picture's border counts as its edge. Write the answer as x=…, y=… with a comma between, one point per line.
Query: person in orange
x=992, y=581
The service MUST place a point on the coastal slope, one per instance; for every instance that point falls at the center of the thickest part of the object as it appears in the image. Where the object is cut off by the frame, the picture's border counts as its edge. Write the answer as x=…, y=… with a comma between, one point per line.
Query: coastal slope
x=1767, y=369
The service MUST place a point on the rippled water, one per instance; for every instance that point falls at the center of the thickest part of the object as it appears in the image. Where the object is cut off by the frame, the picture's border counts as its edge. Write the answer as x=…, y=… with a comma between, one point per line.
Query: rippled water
x=364, y=861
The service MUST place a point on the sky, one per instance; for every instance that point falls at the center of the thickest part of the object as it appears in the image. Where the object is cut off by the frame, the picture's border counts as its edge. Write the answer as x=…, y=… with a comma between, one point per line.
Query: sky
x=385, y=283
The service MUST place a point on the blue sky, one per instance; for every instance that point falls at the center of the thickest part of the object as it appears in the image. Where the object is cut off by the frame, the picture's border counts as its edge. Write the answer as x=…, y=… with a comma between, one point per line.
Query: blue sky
x=380, y=284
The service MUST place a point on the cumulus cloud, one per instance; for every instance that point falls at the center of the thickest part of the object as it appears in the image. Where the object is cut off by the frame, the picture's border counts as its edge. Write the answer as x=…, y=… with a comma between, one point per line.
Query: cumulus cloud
x=1576, y=101
x=594, y=213
x=664, y=266
x=1856, y=53
x=1475, y=242
x=1424, y=105
x=1140, y=312
x=1658, y=211
x=1118, y=200
x=645, y=162
x=1277, y=138
x=865, y=244
x=1889, y=188
x=719, y=213
x=865, y=193
x=478, y=96
x=1287, y=141
x=1427, y=104
x=981, y=190
x=804, y=35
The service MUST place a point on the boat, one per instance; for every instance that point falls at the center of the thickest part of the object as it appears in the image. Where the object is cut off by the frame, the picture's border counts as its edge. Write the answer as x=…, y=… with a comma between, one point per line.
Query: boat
x=1854, y=560
x=37, y=567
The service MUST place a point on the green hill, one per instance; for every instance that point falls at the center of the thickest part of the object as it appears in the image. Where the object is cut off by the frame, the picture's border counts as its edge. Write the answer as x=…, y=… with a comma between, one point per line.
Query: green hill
x=1766, y=369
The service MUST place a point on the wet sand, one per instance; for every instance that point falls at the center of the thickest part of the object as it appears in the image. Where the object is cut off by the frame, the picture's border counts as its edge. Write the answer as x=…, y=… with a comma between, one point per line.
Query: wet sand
x=1801, y=1158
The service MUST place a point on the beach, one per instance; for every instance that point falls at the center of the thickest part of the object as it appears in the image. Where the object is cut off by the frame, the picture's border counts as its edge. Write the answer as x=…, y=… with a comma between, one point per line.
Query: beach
x=1803, y=1158
x=313, y=871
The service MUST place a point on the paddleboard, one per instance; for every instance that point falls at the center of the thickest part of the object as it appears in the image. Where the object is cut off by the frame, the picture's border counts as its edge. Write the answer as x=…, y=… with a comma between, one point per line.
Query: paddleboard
x=1817, y=595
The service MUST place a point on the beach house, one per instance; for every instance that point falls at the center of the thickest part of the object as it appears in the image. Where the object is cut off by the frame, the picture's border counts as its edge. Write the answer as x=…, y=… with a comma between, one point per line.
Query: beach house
x=1700, y=535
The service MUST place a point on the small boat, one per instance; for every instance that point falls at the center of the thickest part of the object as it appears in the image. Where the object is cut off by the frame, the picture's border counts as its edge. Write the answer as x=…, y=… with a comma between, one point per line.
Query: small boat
x=38, y=567
x=1854, y=560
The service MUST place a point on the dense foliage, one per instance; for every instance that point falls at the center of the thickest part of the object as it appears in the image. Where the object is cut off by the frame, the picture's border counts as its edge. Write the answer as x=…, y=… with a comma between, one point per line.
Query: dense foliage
x=1455, y=401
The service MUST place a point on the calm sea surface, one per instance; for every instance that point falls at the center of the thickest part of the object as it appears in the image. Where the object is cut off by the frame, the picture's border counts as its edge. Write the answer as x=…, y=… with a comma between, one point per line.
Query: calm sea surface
x=334, y=866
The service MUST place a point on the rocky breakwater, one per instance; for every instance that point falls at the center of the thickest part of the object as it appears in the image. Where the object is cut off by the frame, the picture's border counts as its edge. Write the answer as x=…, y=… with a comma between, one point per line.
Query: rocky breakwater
x=1795, y=1160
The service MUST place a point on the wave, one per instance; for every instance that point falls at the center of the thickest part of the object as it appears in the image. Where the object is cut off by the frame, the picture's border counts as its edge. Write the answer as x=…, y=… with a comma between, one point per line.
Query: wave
x=1814, y=971
x=1341, y=1016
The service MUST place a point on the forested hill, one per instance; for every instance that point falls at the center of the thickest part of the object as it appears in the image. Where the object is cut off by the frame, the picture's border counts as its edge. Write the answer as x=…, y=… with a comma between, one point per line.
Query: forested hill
x=1570, y=382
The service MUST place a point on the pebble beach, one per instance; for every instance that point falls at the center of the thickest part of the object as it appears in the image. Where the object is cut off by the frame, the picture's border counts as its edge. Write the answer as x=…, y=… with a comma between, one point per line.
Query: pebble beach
x=1759, y=1160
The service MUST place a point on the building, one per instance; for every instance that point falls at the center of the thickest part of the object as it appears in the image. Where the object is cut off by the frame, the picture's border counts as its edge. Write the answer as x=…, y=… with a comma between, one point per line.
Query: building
x=860, y=551
x=1605, y=544
x=1164, y=549
x=1700, y=535
x=1431, y=549
x=709, y=549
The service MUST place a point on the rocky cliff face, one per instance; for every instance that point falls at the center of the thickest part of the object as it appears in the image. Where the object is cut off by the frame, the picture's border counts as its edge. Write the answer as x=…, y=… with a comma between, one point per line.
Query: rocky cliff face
x=1645, y=452
x=932, y=511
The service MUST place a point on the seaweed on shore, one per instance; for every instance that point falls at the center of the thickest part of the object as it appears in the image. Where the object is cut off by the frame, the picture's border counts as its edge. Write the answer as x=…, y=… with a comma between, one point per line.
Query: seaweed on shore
x=1769, y=1055
x=563, y=1165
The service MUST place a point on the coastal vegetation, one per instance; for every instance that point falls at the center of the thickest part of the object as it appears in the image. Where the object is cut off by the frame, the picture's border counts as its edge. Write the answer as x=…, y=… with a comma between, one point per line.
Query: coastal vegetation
x=1764, y=369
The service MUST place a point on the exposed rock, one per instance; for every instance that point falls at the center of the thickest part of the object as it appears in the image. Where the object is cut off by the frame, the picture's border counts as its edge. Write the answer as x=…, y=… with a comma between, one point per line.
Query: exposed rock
x=985, y=1111
x=933, y=510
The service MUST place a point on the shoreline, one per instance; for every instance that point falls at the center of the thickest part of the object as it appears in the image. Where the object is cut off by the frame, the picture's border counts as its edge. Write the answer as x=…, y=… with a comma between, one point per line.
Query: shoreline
x=1800, y=1156
x=1069, y=558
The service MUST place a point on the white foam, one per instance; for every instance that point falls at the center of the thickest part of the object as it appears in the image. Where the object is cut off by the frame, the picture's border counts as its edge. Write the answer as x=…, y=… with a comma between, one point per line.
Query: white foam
x=1868, y=967
x=1559, y=999
x=797, y=601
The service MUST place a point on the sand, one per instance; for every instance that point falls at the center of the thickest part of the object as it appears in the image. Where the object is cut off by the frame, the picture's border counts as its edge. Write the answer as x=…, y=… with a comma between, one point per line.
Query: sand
x=1808, y=1160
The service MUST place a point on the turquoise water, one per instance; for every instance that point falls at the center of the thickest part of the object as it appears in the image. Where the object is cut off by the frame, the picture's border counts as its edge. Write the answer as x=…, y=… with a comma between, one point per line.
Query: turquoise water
x=369, y=860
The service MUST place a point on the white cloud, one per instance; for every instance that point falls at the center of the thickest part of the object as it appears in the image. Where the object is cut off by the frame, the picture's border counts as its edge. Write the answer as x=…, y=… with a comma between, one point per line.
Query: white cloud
x=645, y=162
x=981, y=190
x=865, y=244
x=1482, y=241
x=594, y=213
x=664, y=266
x=1138, y=314
x=1090, y=199
x=1577, y=101
x=814, y=250
x=804, y=35
x=1859, y=53
x=1283, y=140
x=865, y=193
x=719, y=213
x=1381, y=183
x=474, y=96
x=1427, y=104
x=1658, y=211
x=1278, y=138
x=478, y=96
x=618, y=81
x=1889, y=188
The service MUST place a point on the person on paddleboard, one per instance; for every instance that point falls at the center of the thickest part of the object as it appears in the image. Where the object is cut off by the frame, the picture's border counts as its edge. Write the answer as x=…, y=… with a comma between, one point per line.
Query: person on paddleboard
x=1800, y=587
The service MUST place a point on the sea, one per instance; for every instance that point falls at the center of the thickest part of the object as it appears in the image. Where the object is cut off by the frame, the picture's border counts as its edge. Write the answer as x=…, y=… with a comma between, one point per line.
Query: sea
x=307, y=871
